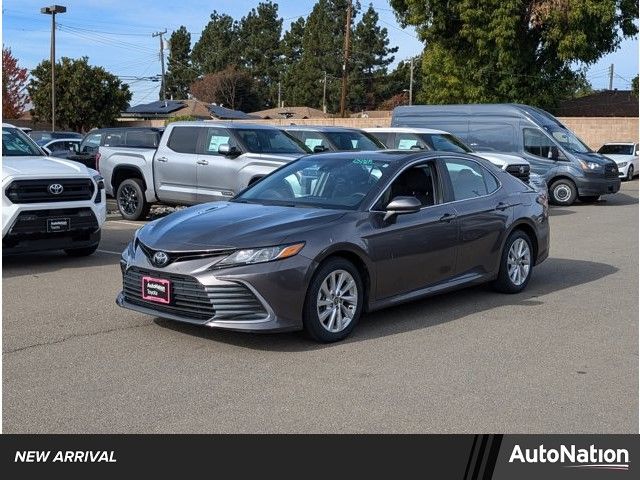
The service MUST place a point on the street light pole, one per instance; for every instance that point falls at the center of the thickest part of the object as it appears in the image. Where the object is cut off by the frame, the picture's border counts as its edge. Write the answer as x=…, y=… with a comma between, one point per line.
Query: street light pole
x=52, y=10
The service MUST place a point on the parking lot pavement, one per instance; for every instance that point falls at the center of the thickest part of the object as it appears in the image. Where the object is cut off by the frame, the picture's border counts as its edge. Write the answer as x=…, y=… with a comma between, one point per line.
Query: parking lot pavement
x=560, y=357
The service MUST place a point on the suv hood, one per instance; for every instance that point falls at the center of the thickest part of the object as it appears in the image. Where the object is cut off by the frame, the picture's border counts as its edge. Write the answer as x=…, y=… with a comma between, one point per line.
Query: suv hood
x=226, y=225
x=41, y=167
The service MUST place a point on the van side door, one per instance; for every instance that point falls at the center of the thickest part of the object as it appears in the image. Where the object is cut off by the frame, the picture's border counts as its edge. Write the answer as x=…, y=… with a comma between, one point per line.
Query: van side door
x=174, y=166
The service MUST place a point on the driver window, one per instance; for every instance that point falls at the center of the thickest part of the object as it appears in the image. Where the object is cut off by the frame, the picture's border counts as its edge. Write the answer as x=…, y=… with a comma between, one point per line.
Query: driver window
x=418, y=181
x=216, y=137
x=538, y=144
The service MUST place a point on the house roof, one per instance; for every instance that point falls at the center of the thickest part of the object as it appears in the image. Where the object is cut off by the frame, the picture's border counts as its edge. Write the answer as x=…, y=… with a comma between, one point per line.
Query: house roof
x=608, y=103
x=291, y=112
x=224, y=113
x=169, y=108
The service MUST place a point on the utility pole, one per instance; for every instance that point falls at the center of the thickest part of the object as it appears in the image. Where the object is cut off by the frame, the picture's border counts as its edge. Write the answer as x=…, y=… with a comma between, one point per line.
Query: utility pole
x=324, y=93
x=411, y=84
x=53, y=10
x=611, y=77
x=347, y=41
x=163, y=87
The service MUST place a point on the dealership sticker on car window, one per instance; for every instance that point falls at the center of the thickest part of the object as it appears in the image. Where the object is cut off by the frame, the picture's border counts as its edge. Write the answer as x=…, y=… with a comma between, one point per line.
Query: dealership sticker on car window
x=362, y=161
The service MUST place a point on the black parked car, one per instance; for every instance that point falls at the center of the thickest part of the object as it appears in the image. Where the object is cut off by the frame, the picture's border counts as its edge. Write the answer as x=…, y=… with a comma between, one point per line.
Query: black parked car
x=142, y=137
x=330, y=236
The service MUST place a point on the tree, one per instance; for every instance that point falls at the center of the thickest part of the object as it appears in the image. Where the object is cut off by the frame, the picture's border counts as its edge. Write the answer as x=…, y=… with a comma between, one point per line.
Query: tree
x=322, y=46
x=259, y=34
x=634, y=86
x=231, y=87
x=14, y=82
x=180, y=72
x=512, y=50
x=218, y=45
x=86, y=96
x=291, y=48
x=371, y=55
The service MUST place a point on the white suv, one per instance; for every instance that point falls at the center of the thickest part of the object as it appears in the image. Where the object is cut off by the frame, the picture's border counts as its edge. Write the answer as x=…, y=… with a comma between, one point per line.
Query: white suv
x=48, y=203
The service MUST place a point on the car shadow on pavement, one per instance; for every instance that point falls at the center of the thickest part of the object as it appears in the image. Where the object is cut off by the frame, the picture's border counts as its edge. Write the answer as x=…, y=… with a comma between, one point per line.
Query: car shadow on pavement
x=46, y=262
x=553, y=275
x=615, y=200
x=558, y=212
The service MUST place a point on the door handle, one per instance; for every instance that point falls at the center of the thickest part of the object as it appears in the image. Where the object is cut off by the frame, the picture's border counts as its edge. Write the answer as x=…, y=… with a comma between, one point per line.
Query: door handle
x=202, y=162
x=447, y=217
x=502, y=206
x=163, y=159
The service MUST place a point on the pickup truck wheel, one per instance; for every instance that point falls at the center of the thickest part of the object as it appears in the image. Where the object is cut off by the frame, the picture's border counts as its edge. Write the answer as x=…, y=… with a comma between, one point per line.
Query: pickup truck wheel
x=131, y=201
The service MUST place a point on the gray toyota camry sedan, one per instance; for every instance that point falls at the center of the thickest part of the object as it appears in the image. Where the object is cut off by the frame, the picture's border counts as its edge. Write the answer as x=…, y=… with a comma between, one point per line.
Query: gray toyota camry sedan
x=328, y=237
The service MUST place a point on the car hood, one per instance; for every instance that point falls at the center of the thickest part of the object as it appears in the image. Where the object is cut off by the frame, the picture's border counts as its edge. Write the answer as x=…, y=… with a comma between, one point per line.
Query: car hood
x=224, y=225
x=41, y=167
x=593, y=157
x=502, y=160
x=619, y=158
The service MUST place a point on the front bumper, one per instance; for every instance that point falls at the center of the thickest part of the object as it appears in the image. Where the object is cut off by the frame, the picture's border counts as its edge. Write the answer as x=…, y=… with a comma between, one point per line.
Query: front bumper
x=593, y=186
x=278, y=288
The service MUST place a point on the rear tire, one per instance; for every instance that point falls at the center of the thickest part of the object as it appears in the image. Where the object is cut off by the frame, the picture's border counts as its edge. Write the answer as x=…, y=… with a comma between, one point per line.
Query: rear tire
x=334, y=301
x=516, y=264
x=131, y=200
x=589, y=198
x=563, y=192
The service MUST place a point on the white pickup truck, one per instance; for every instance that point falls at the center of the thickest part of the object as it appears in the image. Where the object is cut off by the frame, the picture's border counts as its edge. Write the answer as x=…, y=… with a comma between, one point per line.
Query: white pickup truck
x=195, y=162
x=48, y=203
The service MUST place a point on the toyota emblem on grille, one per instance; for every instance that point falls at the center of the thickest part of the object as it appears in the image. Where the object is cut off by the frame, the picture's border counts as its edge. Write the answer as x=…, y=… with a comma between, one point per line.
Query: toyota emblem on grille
x=522, y=169
x=160, y=259
x=55, y=189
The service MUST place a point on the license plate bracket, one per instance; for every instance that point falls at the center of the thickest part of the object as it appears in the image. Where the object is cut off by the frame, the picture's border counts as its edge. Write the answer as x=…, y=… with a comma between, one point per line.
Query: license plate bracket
x=58, y=225
x=156, y=290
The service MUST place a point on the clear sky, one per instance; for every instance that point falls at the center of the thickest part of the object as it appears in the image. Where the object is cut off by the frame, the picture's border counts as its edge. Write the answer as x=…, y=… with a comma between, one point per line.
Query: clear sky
x=116, y=34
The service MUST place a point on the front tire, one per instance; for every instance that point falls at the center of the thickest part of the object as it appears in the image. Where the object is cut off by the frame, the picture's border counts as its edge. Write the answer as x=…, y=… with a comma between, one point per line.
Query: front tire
x=629, y=173
x=334, y=301
x=131, y=200
x=563, y=192
x=516, y=264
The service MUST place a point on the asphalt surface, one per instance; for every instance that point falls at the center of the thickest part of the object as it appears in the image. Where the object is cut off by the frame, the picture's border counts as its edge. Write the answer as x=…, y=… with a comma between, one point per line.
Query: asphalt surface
x=560, y=357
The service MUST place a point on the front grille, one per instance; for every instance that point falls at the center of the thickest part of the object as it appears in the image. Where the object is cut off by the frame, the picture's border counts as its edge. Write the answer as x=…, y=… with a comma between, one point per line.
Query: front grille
x=611, y=170
x=37, y=191
x=190, y=299
x=35, y=221
x=181, y=256
x=519, y=171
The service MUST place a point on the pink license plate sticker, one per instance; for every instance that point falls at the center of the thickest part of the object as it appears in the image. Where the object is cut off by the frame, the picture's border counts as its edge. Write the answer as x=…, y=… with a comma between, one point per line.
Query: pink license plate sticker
x=156, y=290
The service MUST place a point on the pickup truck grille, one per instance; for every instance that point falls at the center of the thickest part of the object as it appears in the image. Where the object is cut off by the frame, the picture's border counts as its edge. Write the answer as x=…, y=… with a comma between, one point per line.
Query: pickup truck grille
x=192, y=300
x=35, y=221
x=38, y=191
x=519, y=171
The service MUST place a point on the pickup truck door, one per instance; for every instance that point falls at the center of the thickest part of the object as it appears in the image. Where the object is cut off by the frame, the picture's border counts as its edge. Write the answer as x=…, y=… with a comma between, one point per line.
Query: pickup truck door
x=217, y=174
x=174, y=166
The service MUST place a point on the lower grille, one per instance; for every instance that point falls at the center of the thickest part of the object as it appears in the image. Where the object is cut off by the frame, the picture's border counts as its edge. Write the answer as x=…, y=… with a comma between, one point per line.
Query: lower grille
x=611, y=170
x=191, y=299
x=38, y=191
x=35, y=221
x=519, y=171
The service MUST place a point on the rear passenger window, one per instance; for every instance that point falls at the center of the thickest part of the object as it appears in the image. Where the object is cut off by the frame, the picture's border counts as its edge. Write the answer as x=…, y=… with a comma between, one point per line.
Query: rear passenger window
x=141, y=139
x=184, y=139
x=469, y=179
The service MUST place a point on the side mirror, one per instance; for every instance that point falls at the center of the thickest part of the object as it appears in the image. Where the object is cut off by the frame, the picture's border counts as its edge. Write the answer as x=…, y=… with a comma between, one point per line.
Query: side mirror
x=319, y=149
x=75, y=148
x=401, y=206
x=228, y=151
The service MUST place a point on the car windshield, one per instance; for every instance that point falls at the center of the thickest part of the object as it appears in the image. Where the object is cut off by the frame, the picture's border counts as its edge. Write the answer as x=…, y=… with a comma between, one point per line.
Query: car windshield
x=353, y=140
x=568, y=140
x=15, y=143
x=616, y=149
x=445, y=142
x=262, y=140
x=330, y=182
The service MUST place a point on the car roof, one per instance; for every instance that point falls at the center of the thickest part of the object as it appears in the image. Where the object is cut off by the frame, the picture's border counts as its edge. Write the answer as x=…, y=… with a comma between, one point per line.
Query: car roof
x=8, y=125
x=223, y=124
x=404, y=130
x=395, y=156
x=63, y=139
x=618, y=143
x=320, y=128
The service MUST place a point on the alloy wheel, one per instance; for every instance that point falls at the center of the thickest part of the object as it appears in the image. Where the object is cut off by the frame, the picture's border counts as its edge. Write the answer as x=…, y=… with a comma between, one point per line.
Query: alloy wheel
x=337, y=301
x=519, y=261
x=128, y=199
x=630, y=172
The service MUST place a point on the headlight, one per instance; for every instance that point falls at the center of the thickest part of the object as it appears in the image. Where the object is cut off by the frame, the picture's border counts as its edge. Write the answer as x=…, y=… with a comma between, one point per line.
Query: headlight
x=588, y=166
x=260, y=255
x=130, y=251
x=622, y=164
